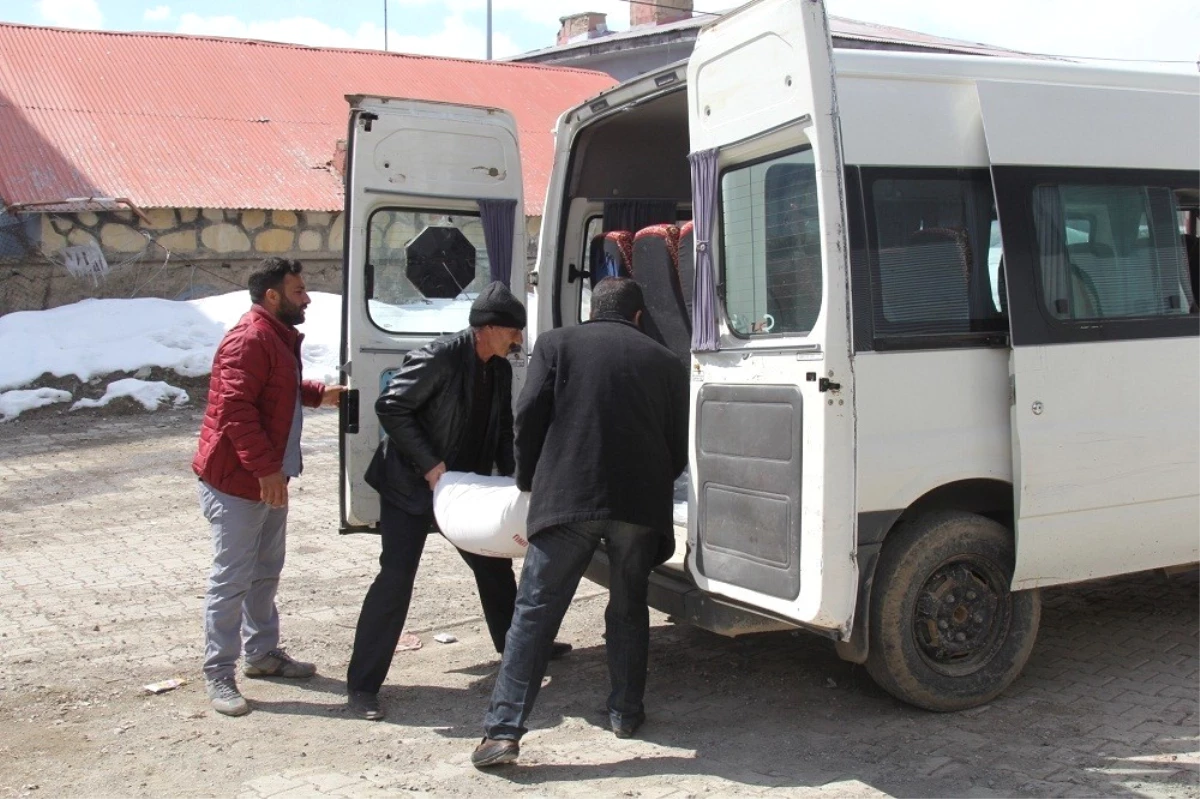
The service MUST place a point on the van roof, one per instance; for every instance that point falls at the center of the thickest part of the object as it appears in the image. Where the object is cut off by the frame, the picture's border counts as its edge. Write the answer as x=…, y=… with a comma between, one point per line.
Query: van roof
x=881, y=63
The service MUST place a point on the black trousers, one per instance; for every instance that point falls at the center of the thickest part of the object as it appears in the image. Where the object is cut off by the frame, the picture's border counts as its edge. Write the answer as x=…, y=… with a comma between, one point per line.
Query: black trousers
x=385, y=608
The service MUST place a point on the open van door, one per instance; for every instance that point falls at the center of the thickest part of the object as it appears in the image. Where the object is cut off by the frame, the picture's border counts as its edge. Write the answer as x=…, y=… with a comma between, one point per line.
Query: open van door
x=771, y=516
x=433, y=214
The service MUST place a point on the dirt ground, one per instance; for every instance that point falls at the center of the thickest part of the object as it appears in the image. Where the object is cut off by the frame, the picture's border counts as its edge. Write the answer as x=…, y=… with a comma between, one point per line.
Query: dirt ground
x=103, y=560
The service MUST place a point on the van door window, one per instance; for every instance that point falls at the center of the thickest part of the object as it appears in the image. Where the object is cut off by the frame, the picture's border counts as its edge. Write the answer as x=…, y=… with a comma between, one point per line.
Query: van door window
x=935, y=252
x=771, y=246
x=423, y=269
x=1109, y=252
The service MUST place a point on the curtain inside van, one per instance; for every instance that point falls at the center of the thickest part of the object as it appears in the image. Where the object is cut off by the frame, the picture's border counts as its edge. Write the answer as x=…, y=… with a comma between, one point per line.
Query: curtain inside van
x=704, y=293
x=498, y=217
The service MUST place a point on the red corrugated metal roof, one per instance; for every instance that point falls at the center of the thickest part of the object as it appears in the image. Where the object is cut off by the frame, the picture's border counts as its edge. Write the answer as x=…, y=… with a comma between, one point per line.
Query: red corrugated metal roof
x=173, y=121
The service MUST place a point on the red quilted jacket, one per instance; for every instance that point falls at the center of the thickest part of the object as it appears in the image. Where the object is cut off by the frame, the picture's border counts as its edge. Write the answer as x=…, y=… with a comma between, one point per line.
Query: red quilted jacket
x=251, y=400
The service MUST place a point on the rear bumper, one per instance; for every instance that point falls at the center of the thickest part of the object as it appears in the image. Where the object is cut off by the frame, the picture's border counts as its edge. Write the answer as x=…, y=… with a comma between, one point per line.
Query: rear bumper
x=673, y=593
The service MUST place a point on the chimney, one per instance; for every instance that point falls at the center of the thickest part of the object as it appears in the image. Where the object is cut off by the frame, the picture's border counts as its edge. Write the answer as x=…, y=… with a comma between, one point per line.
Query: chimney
x=577, y=27
x=658, y=12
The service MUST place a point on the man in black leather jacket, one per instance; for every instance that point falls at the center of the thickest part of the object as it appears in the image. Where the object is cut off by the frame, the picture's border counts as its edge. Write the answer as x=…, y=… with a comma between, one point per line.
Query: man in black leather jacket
x=449, y=407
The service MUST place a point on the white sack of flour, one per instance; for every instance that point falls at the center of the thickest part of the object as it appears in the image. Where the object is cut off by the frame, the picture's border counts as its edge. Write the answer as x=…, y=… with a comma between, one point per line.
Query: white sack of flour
x=483, y=515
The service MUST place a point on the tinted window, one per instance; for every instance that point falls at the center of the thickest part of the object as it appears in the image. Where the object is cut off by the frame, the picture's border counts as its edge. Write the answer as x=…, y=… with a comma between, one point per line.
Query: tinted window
x=1107, y=252
x=935, y=254
x=771, y=235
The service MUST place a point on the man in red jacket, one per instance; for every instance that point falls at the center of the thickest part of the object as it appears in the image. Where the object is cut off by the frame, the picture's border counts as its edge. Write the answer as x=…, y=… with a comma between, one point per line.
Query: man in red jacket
x=249, y=449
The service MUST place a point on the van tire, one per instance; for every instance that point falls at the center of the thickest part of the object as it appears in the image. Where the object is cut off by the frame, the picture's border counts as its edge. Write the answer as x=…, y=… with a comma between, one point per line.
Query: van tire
x=936, y=650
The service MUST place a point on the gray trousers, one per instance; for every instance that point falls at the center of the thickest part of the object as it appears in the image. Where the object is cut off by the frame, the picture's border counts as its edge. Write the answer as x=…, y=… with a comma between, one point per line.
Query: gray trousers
x=239, y=605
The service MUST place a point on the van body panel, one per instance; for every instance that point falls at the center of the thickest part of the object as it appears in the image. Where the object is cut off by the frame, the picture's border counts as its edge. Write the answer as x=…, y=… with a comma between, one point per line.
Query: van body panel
x=411, y=162
x=928, y=419
x=1105, y=444
x=771, y=507
x=1088, y=126
x=865, y=101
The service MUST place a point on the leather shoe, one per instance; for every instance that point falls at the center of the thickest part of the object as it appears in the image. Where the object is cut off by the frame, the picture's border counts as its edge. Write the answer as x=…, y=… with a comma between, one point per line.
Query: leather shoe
x=365, y=705
x=495, y=752
x=558, y=649
x=626, y=727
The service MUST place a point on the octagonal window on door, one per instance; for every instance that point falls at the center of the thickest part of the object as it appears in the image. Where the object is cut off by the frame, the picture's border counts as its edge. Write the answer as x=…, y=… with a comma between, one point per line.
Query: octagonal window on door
x=424, y=269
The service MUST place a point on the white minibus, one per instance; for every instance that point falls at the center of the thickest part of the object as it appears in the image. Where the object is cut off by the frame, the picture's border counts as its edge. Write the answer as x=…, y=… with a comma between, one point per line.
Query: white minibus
x=939, y=314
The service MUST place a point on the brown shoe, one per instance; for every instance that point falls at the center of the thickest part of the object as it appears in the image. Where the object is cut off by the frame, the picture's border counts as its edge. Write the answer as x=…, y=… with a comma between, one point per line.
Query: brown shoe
x=495, y=752
x=278, y=663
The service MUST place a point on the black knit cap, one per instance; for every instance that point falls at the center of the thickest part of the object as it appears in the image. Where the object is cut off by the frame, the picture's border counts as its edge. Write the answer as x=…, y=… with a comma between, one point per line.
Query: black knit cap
x=497, y=306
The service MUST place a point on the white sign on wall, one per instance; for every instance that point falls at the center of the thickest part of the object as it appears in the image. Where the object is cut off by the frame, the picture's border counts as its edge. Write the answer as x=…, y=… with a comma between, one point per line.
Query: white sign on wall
x=85, y=260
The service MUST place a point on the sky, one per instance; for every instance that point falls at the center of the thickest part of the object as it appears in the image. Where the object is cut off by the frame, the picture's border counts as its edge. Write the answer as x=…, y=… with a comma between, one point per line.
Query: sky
x=1164, y=30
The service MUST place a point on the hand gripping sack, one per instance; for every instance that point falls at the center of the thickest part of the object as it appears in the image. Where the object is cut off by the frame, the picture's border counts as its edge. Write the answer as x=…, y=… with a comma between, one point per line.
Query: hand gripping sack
x=483, y=515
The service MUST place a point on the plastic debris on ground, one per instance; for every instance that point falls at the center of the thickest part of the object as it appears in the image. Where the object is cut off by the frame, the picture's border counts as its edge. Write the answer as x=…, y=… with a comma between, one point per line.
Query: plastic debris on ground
x=165, y=685
x=408, y=643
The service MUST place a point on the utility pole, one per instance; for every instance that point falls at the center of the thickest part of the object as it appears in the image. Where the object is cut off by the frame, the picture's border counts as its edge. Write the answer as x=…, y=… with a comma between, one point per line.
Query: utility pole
x=385, y=25
x=489, y=30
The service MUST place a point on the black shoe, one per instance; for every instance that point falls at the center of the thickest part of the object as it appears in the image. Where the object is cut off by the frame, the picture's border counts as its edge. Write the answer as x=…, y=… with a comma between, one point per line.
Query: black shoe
x=625, y=728
x=495, y=752
x=558, y=649
x=365, y=705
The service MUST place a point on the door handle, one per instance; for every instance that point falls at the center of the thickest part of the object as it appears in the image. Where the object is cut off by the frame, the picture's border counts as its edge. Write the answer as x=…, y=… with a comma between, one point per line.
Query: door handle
x=348, y=411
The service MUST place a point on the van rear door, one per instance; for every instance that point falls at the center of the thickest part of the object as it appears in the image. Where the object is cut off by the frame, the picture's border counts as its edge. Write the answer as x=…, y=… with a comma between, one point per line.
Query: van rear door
x=424, y=181
x=771, y=517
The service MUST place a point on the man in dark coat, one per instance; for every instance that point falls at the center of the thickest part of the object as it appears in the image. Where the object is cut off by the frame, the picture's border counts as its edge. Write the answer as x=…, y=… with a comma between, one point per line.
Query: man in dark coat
x=449, y=407
x=249, y=449
x=602, y=431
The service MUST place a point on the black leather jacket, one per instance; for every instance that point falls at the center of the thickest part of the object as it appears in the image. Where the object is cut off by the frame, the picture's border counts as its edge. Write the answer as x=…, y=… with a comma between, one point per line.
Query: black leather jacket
x=425, y=410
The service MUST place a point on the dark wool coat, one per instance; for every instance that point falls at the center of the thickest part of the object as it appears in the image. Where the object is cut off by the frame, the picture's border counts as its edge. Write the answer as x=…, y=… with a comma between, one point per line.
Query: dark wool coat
x=425, y=410
x=251, y=402
x=601, y=427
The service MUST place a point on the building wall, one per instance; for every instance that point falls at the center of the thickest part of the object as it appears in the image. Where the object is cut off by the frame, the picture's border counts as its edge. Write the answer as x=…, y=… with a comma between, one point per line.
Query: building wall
x=178, y=254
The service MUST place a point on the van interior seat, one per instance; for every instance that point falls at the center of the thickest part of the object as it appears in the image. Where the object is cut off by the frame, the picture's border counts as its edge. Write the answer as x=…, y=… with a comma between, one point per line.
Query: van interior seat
x=928, y=279
x=610, y=255
x=1093, y=278
x=656, y=269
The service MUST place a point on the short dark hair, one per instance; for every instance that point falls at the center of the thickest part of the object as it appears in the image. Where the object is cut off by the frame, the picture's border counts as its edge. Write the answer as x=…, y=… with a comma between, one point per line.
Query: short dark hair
x=269, y=275
x=617, y=296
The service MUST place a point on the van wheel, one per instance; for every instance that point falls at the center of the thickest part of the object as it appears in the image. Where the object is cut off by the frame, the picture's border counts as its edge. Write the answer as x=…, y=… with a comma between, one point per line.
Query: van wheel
x=945, y=631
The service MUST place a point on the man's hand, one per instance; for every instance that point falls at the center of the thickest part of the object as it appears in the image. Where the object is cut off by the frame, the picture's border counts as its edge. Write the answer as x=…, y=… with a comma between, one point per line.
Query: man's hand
x=329, y=398
x=435, y=474
x=274, y=489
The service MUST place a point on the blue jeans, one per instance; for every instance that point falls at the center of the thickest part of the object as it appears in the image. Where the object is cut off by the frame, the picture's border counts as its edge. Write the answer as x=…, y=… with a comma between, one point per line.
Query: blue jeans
x=554, y=563
x=249, y=544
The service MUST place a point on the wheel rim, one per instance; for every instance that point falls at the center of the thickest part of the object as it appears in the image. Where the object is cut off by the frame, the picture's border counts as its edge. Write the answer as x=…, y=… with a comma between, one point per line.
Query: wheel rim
x=962, y=615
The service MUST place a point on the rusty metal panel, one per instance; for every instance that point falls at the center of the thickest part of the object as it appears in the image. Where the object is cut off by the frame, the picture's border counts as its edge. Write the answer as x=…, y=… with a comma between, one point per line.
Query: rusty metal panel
x=171, y=121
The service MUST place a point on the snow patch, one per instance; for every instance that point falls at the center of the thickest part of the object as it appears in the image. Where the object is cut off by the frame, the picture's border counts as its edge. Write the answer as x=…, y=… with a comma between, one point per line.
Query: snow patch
x=150, y=395
x=12, y=403
x=98, y=337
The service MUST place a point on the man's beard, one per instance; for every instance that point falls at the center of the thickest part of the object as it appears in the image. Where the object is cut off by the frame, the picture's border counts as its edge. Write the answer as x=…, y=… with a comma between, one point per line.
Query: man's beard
x=289, y=313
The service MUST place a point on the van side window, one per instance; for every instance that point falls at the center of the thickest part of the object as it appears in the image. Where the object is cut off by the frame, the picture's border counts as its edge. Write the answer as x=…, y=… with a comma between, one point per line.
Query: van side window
x=934, y=244
x=771, y=246
x=1108, y=252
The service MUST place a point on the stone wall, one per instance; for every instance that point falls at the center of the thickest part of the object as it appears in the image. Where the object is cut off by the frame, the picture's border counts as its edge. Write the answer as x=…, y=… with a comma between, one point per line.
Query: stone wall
x=173, y=253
